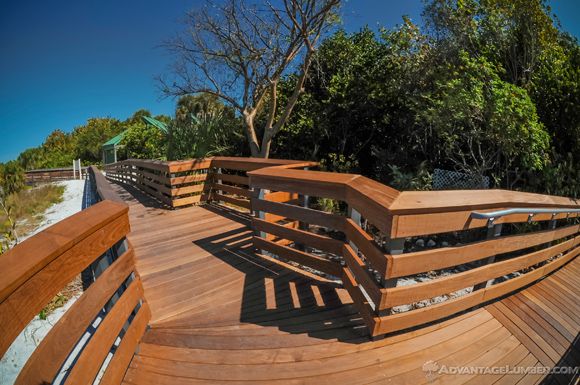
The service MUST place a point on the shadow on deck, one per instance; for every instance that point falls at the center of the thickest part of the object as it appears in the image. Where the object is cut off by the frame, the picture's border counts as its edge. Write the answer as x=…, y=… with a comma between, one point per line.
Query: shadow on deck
x=221, y=312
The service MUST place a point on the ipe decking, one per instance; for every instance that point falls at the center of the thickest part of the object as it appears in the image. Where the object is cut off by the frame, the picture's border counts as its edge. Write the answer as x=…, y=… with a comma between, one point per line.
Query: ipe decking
x=198, y=291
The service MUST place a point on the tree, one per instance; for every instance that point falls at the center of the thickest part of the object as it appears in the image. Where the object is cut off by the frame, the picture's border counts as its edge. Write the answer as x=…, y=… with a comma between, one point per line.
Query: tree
x=143, y=141
x=91, y=137
x=138, y=115
x=59, y=149
x=208, y=133
x=31, y=158
x=240, y=51
x=13, y=177
x=487, y=124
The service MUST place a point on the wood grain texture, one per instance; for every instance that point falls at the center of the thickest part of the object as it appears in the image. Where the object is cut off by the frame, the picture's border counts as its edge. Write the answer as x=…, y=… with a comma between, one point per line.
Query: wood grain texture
x=221, y=313
x=124, y=354
x=27, y=300
x=90, y=360
x=422, y=261
x=51, y=353
x=28, y=257
x=368, y=247
x=320, y=242
x=283, y=210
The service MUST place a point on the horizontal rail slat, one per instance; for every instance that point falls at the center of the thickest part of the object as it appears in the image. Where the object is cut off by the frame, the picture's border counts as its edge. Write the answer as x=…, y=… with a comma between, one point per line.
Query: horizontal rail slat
x=237, y=179
x=320, y=264
x=189, y=200
x=189, y=179
x=280, y=196
x=47, y=245
x=300, y=236
x=26, y=301
x=189, y=189
x=231, y=200
x=422, y=261
x=360, y=302
x=368, y=247
x=233, y=190
x=89, y=362
x=359, y=271
x=47, y=358
x=450, y=307
x=124, y=353
x=331, y=221
x=408, y=294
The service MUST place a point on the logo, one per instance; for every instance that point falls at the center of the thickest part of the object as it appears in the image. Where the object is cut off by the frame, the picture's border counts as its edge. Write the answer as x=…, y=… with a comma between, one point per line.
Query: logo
x=430, y=367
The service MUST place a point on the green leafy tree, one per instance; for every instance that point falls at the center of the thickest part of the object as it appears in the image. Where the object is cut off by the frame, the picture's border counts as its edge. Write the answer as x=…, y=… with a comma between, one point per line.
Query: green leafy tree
x=90, y=137
x=143, y=142
x=138, y=115
x=31, y=158
x=207, y=134
x=59, y=150
x=12, y=176
x=486, y=124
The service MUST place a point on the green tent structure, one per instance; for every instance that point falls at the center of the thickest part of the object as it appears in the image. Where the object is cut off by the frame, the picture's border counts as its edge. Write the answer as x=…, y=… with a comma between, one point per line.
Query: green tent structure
x=110, y=148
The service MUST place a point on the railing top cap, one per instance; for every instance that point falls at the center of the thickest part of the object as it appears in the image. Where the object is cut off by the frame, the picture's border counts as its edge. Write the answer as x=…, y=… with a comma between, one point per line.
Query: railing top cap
x=424, y=202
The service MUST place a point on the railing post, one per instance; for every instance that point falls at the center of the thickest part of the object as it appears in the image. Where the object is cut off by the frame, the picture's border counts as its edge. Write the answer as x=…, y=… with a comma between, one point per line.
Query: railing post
x=219, y=171
x=259, y=195
x=356, y=218
x=551, y=226
x=493, y=231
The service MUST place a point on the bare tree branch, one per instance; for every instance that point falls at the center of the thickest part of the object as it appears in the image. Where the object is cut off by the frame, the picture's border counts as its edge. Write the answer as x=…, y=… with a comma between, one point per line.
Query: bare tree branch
x=239, y=50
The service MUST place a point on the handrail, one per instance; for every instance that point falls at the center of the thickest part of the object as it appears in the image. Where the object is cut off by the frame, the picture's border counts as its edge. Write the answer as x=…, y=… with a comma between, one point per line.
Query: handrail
x=532, y=212
x=102, y=188
x=186, y=182
x=406, y=214
x=36, y=270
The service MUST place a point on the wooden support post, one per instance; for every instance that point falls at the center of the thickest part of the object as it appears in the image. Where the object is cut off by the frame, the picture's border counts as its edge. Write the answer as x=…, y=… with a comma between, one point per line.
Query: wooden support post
x=259, y=194
x=393, y=246
x=356, y=218
x=219, y=171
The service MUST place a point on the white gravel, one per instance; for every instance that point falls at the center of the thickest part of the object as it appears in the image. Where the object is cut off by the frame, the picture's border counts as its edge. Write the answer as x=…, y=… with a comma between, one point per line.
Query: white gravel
x=22, y=348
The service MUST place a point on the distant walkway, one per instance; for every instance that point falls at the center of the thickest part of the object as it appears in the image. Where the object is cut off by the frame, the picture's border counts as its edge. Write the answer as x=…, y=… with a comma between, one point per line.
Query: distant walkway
x=221, y=313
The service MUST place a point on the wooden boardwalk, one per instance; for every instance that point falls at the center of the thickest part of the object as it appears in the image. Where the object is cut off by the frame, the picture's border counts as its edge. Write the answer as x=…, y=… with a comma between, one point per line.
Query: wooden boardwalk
x=223, y=314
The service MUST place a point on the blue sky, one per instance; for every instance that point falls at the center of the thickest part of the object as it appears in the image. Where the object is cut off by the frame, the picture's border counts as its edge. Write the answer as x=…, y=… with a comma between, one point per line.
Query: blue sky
x=66, y=61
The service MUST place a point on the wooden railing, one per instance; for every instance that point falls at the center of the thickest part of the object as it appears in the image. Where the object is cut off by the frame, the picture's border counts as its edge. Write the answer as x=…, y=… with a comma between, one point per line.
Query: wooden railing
x=370, y=265
x=52, y=174
x=181, y=183
x=113, y=307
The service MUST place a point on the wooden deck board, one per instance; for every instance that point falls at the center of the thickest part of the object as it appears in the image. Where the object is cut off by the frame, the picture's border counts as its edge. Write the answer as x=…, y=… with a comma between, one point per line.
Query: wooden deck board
x=221, y=313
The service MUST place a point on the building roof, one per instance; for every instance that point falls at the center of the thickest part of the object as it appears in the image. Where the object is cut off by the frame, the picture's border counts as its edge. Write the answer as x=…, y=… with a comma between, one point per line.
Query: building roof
x=113, y=142
x=160, y=125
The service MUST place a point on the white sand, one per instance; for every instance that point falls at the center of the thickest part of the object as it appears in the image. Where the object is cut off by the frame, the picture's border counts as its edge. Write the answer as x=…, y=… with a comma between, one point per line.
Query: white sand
x=24, y=345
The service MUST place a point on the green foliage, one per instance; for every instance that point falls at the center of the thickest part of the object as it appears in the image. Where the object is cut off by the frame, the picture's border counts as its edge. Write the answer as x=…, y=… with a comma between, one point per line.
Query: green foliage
x=31, y=158
x=328, y=205
x=143, y=142
x=12, y=177
x=339, y=163
x=59, y=150
x=420, y=181
x=484, y=122
x=8, y=229
x=203, y=136
x=91, y=136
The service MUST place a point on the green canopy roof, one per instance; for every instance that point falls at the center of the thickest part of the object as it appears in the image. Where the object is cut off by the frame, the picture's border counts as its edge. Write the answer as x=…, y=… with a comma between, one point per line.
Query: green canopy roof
x=160, y=125
x=113, y=142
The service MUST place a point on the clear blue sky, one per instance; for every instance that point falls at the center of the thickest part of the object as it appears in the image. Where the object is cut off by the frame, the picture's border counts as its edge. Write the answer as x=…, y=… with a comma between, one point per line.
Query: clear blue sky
x=66, y=61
